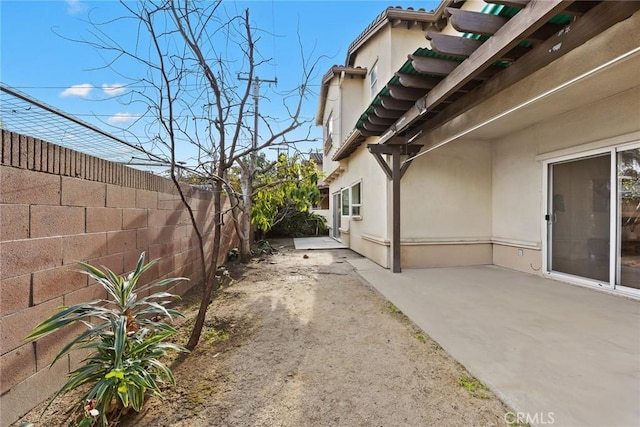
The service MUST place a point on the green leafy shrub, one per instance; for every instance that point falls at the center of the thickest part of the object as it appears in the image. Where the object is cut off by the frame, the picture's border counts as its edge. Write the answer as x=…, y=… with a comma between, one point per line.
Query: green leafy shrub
x=284, y=190
x=300, y=224
x=127, y=338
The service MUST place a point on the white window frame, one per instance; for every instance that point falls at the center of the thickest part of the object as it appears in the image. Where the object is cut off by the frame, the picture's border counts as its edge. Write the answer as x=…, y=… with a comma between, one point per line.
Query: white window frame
x=346, y=198
x=328, y=138
x=345, y=204
x=373, y=80
x=359, y=204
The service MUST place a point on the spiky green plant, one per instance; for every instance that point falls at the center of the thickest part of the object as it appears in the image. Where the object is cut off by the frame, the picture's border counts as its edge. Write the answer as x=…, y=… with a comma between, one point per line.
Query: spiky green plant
x=127, y=338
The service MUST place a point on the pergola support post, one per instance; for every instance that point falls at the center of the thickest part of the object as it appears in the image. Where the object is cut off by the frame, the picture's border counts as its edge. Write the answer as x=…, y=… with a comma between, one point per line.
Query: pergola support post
x=395, y=174
x=395, y=211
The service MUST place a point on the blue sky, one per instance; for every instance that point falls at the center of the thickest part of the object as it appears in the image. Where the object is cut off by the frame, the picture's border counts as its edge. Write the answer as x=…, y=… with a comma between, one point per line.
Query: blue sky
x=37, y=60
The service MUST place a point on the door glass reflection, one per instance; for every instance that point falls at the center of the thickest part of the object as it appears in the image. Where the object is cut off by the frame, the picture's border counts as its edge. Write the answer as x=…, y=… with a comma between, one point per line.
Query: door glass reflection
x=629, y=218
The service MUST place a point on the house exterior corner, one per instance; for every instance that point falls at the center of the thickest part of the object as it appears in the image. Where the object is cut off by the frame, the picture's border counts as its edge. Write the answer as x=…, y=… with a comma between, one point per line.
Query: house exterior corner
x=529, y=160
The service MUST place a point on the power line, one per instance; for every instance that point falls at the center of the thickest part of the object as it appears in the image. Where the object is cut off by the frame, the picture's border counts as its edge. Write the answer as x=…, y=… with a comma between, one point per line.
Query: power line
x=255, y=85
x=125, y=86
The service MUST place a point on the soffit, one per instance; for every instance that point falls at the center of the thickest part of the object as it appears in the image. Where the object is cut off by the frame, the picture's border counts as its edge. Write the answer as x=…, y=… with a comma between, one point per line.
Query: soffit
x=505, y=42
x=613, y=80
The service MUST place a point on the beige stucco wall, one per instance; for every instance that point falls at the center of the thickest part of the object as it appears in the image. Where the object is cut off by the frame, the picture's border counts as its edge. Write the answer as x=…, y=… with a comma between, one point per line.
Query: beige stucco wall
x=554, y=96
x=447, y=194
x=517, y=258
x=347, y=99
x=609, y=117
x=332, y=109
x=445, y=255
x=517, y=174
x=599, y=109
x=446, y=201
x=409, y=42
x=479, y=198
x=446, y=207
x=518, y=188
x=389, y=49
x=377, y=250
x=367, y=234
x=350, y=108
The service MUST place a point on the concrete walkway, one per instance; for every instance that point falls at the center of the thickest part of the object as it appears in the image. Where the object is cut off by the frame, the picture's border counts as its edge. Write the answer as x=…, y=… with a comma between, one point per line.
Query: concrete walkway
x=558, y=353
x=321, y=242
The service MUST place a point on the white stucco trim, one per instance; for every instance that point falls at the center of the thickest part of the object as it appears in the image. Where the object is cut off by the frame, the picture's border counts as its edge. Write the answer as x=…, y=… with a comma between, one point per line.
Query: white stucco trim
x=426, y=241
x=517, y=243
x=590, y=147
x=472, y=240
x=335, y=174
x=456, y=241
x=375, y=239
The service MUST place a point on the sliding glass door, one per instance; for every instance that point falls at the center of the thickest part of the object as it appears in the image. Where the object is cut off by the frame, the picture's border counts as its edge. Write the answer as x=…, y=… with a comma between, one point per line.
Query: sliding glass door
x=628, y=265
x=580, y=217
x=593, y=230
x=337, y=216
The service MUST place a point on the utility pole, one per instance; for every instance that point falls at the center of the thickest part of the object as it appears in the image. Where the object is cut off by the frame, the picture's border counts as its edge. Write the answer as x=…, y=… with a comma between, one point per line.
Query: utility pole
x=279, y=149
x=255, y=85
x=248, y=176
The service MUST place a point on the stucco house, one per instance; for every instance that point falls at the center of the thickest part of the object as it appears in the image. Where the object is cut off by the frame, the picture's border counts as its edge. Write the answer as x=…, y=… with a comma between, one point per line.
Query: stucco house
x=501, y=132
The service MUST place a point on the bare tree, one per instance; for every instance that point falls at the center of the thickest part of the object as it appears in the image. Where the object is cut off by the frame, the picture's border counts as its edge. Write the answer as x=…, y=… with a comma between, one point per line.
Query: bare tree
x=192, y=54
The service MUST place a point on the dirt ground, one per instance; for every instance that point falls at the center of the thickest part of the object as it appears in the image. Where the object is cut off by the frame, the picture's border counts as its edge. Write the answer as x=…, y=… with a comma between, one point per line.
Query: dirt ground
x=300, y=339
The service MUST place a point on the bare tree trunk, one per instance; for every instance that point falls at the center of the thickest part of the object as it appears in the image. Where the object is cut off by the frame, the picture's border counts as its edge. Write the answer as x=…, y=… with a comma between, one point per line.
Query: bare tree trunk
x=245, y=217
x=238, y=212
x=245, y=243
x=210, y=285
x=186, y=75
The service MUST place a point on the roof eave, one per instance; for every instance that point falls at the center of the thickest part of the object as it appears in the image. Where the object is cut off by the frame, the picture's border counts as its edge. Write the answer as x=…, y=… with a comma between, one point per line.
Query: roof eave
x=389, y=15
x=333, y=72
x=345, y=150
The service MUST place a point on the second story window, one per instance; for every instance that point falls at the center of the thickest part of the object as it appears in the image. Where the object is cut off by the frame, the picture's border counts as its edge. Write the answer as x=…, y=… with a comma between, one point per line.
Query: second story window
x=328, y=140
x=330, y=127
x=373, y=80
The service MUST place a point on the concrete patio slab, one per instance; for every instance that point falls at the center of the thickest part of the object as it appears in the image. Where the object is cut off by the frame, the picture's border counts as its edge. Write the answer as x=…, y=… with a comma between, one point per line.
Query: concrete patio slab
x=557, y=353
x=322, y=242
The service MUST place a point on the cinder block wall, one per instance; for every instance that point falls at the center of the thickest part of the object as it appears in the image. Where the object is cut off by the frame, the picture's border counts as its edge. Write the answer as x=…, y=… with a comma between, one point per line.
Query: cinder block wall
x=57, y=207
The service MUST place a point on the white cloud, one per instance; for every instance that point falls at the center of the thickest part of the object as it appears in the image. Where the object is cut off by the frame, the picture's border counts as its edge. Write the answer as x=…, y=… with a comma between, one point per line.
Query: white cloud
x=114, y=89
x=74, y=7
x=82, y=90
x=120, y=118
